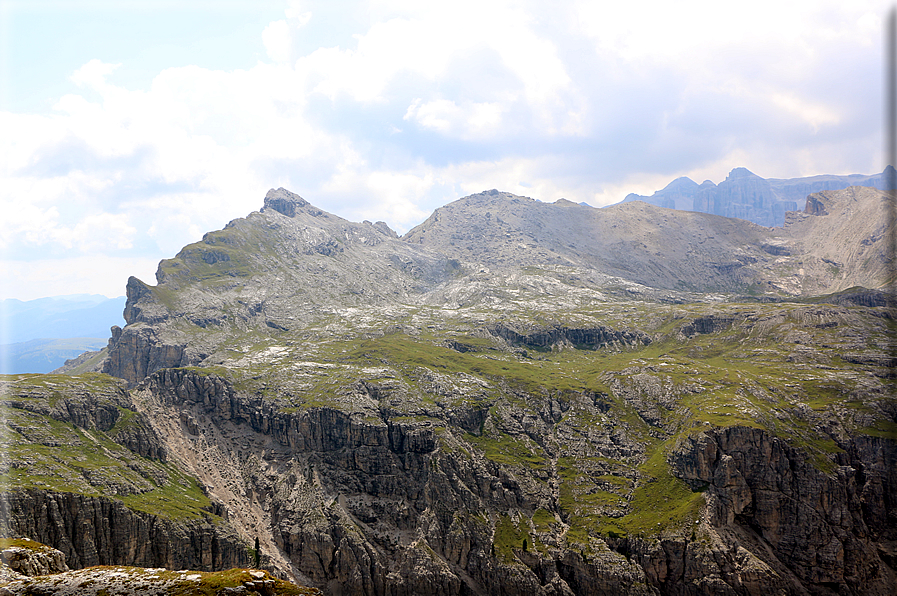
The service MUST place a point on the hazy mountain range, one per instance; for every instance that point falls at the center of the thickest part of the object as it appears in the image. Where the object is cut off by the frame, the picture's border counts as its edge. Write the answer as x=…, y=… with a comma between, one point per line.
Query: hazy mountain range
x=40, y=335
x=745, y=195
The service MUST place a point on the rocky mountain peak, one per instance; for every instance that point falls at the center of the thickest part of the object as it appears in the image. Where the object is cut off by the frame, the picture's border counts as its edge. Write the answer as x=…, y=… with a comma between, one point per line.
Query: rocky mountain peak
x=284, y=201
x=136, y=290
x=815, y=205
x=741, y=173
x=682, y=184
x=382, y=227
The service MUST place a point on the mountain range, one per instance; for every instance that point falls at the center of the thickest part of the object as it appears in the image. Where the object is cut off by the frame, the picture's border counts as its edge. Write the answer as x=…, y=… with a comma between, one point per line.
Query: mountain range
x=515, y=397
x=40, y=335
x=745, y=195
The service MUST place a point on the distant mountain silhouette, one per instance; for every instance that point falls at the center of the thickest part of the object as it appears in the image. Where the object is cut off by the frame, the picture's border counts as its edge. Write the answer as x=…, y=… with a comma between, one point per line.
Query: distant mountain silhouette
x=40, y=335
x=745, y=195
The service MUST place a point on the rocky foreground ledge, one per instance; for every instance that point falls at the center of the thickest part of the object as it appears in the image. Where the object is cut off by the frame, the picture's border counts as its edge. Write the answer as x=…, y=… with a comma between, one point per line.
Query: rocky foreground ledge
x=28, y=567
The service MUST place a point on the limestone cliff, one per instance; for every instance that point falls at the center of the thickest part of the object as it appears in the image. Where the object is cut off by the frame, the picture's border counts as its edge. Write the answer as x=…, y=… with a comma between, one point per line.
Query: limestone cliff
x=86, y=472
x=29, y=558
x=100, y=531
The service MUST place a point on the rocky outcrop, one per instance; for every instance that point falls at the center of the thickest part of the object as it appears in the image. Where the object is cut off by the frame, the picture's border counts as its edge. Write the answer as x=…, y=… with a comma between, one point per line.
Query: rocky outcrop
x=284, y=201
x=34, y=559
x=98, y=406
x=139, y=437
x=136, y=352
x=100, y=531
x=142, y=305
x=824, y=528
x=707, y=324
x=559, y=336
x=135, y=581
x=815, y=205
x=318, y=429
x=88, y=407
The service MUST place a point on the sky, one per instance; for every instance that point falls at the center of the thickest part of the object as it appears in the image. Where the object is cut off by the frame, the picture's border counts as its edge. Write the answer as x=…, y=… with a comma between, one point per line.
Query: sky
x=128, y=129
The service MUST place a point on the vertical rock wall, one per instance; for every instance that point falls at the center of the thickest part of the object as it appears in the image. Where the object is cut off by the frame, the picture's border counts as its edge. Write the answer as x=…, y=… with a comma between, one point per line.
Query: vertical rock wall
x=98, y=531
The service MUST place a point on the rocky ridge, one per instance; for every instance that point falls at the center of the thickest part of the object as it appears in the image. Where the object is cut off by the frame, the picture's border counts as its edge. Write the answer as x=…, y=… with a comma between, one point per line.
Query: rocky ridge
x=488, y=251
x=126, y=581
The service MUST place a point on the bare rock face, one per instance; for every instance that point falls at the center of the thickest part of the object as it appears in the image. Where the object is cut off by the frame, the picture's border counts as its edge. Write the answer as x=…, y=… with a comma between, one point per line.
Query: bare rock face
x=138, y=352
x=825, y=528
x=744, y=195
x=283, y=201
x=747, y=196
x=667, y=249
x=373, y=506
x=153, y=582
x=774, y=523
x=33, y=560
x=92, y=407
x=99, y=531
x=554, y=337
x=815, y=206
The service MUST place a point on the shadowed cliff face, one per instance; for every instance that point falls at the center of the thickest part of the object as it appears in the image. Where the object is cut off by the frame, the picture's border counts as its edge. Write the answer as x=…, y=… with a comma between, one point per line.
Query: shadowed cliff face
x=830, y=530
x=85, y=471
x=514, y=398
x=100, y=531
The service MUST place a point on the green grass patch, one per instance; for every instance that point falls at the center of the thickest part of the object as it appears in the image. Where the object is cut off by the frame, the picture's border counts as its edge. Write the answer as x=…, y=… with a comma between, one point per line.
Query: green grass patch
x=127, y=418
x=94, y=382
x=660, y=502
x=179, y=498
x=402, y=350
x=543, y=520
x=21, y=543
x=507, y=450
x=885, y=429
x=509, y=536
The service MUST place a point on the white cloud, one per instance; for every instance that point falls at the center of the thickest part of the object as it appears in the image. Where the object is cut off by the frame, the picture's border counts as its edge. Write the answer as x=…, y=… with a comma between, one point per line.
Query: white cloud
x=93, y=74
x=97, y=232
x=470, y=120
x=96, y=273
x=296, y=15
x=396, y=196
x=813, y=113
x=277, y=39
